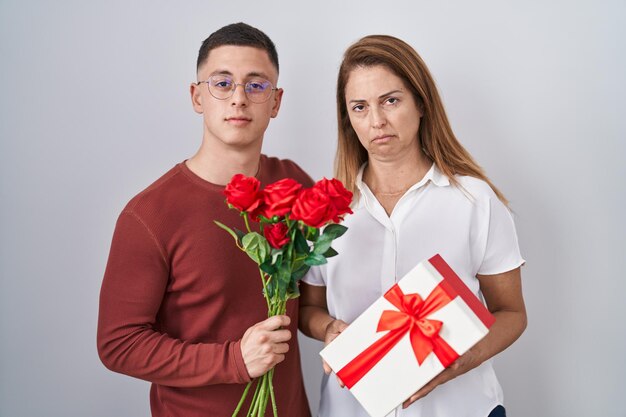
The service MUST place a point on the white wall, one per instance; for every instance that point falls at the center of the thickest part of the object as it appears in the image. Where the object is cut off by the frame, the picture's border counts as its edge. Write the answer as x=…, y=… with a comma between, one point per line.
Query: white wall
x=94, y=106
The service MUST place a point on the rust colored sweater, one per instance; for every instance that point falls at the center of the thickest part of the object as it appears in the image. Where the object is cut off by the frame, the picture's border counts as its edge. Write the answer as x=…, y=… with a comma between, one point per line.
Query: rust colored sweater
x=178, y=295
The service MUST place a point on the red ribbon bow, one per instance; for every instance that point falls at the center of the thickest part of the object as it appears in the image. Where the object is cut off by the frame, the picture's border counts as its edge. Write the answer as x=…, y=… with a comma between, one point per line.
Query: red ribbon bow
x=411, y=318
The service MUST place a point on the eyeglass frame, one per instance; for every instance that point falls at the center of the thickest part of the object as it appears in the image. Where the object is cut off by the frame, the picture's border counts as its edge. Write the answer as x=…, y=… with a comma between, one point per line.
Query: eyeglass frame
x=235, y=85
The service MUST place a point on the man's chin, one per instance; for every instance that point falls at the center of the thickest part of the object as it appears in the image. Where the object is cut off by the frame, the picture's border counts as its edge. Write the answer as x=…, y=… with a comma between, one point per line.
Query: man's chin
x=242, y=141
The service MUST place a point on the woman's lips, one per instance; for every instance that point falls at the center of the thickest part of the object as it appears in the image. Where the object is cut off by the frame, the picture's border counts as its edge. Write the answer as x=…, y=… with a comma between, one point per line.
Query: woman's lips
x=382, y=138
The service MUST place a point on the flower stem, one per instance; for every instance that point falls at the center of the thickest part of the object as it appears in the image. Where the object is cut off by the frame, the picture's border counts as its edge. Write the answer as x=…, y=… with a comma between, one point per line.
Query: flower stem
x=245, y=219
x=254, y=405
x=243, y=398
x=262, y=397
x=265, y=294
x=274, y=409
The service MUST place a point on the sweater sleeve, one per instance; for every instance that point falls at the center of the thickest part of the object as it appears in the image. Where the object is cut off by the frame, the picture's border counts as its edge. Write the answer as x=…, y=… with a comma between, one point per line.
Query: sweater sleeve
x=134, y=283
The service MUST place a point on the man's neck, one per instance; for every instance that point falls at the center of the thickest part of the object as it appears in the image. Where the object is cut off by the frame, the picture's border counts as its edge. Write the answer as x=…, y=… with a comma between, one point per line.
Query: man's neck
x=217, y=163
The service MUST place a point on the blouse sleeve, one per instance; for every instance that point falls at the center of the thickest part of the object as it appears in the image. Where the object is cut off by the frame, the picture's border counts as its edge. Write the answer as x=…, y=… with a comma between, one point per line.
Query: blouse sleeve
x=501, y=252
x=316, y=276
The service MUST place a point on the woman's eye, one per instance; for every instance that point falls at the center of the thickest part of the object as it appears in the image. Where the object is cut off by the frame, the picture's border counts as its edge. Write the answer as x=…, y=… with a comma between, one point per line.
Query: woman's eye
x=392, y=100
x=358, y=108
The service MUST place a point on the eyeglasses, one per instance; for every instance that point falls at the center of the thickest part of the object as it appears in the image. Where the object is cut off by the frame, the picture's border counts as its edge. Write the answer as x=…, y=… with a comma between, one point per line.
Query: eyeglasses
x=258, y=90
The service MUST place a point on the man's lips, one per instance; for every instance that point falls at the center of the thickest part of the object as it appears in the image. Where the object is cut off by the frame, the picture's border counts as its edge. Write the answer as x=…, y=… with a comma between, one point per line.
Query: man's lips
x=238, y=120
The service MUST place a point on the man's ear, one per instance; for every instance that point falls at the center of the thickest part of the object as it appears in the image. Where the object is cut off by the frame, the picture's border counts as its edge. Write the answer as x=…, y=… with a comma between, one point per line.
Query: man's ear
x=278, y=96
x=196, y=98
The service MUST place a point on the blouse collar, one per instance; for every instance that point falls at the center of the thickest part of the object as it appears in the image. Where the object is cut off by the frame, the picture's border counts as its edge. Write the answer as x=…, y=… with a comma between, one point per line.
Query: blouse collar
x=433, y=175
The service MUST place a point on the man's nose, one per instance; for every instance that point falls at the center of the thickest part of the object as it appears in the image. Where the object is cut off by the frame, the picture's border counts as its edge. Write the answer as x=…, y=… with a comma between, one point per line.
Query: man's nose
x=239, y=97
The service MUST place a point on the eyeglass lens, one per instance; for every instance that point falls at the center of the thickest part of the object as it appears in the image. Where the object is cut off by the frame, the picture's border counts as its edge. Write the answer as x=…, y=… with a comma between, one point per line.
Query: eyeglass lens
x=222, y=87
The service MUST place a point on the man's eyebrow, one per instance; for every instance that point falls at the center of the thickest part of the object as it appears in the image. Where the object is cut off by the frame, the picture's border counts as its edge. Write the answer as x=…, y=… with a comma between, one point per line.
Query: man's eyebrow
x=257, y=74
x=222, y=72
x=361, y=100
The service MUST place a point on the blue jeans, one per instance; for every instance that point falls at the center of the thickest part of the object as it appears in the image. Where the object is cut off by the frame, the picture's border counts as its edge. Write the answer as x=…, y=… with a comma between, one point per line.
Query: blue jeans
x=498, y=412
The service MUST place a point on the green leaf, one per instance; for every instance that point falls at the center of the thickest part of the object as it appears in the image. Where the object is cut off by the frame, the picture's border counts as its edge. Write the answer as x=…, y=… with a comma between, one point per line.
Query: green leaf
x=270, y=289
x=297, y=264
x=294, y=290
x=268, y=268
x=330, y=253
x=264, y=219
x=322, y=244
x=299, y=273
x=335, y=230
x=300, y=243
x=228, y=229
x=284, y=275
x=277, y=255
x=289, y=247
x=256, y=247
x=312, y=233
x=284, y=278
x=314, y=259
x=240, y=234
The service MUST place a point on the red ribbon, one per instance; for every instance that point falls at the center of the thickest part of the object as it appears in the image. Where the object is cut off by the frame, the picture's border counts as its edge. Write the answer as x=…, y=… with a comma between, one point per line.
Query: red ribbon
x=411, y=318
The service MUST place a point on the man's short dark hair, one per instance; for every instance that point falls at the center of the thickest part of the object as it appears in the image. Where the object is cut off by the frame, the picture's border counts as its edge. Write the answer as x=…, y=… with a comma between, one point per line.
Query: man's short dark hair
x=238, y=34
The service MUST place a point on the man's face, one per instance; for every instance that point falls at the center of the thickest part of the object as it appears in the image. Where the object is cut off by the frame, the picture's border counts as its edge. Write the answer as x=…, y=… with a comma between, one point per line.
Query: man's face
x=236, y=121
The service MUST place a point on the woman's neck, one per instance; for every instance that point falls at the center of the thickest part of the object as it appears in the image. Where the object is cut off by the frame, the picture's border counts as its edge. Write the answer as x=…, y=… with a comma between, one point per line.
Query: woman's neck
x=392, y=177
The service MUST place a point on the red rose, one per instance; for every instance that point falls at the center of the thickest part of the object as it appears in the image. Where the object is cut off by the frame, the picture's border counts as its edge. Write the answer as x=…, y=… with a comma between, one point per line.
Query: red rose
x=279, y=197
x=340, y=198
x=313, y=207
x=276, y=234
x=243, y=193
x=260, y=210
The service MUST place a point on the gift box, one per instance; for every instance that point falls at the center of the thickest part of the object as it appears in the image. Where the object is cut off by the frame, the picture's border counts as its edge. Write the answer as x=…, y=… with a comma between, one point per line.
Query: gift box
x=404, y=339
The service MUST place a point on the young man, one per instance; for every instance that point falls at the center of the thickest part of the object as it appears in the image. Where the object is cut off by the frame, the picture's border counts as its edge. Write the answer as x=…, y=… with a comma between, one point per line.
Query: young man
x=180, y=305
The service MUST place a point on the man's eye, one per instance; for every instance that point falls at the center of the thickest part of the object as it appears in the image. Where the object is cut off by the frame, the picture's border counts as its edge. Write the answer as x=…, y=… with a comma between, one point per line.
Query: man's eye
x=222, y=83
x=257, y=86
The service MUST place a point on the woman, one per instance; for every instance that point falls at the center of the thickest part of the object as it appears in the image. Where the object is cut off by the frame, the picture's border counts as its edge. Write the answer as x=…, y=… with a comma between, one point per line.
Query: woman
x=418, y=192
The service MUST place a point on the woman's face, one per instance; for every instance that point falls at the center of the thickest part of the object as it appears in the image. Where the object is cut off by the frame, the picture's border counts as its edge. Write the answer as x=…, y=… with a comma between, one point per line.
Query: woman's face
x=383, y=112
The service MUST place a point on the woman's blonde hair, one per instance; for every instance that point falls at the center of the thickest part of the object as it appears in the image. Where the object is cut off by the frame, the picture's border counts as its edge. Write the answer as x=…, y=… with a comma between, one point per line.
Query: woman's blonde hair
x=435, y=135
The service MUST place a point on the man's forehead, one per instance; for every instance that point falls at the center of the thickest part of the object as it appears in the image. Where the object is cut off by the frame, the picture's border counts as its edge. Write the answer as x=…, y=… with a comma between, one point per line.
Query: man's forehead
x=239, y=61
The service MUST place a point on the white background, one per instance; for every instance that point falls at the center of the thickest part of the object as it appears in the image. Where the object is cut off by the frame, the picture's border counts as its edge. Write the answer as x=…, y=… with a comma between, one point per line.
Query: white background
x=94, y=106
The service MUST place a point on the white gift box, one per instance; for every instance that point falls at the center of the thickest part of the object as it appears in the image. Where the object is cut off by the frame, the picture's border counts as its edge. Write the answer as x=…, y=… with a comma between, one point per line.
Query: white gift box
x=429, y=318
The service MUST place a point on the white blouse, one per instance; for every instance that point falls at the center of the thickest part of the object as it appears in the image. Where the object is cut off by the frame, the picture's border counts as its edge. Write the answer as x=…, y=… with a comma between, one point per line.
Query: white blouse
x=467, y=225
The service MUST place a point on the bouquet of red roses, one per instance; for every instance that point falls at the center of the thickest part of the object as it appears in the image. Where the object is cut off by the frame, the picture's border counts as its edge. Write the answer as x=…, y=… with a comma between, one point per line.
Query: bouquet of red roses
x=288, y=243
